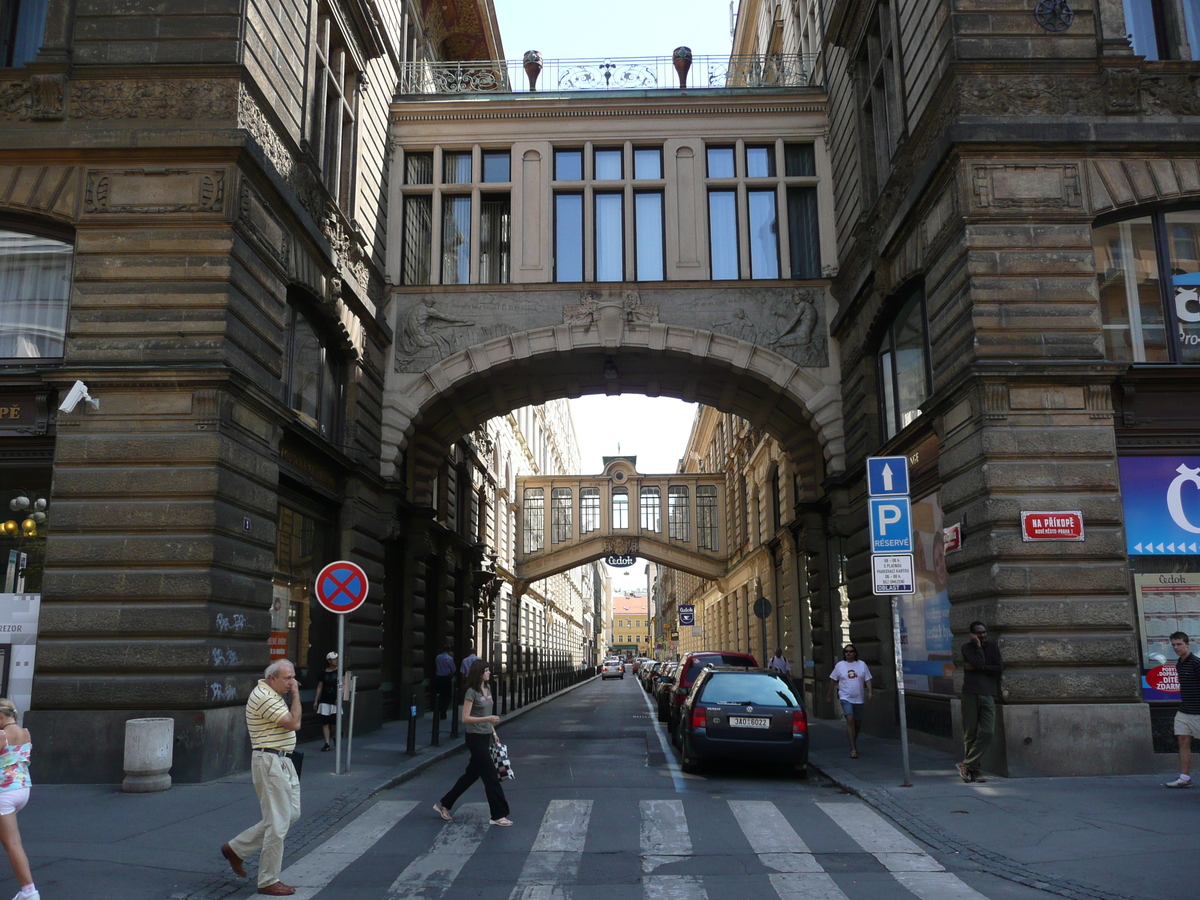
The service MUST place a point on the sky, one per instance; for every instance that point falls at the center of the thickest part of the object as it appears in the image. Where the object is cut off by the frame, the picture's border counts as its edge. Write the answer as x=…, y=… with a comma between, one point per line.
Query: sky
x=572, y=29
x=654, y=429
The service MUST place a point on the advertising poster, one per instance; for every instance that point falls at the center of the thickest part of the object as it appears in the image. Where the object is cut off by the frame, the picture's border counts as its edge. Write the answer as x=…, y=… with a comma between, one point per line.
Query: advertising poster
x=1161, y=499
x=1166, y=602
x=18, y=642
x=926, y=646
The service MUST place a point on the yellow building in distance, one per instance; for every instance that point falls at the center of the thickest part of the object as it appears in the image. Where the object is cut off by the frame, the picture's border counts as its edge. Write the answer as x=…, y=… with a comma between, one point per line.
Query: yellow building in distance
x=629, y=627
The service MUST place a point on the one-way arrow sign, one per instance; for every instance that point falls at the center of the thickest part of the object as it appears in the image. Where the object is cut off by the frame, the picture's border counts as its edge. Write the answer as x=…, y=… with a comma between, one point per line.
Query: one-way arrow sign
x=887, y=476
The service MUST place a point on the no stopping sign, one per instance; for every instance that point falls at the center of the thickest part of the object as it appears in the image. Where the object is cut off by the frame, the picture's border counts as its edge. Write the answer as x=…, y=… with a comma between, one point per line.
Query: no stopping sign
x=342, y=586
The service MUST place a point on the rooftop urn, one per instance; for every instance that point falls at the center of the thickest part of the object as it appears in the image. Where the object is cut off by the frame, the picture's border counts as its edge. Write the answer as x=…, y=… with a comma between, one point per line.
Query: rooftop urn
x=532, y=62
x=681, y=58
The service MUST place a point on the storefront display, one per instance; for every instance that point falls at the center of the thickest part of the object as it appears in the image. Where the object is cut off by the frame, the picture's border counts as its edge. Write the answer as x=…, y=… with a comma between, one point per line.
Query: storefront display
x=925, y=639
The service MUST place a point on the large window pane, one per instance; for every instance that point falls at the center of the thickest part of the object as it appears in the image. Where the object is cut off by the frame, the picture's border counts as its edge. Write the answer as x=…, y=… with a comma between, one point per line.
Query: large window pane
x=648, y=225
x=706, y=517
x=456, y=168
x=720, y=162
x=496, y=166
x=912, y=382
x=494, y=217
x=679, y=515
x=533, y=520
x=1141, y=28
x=35, y=283
x=568, y=165
x=22, y=26
x=803, y=232
x=1131, y=310
x=722, y=234
x=651, y=508
x=418, y=168
x=456, y=240
x=418, y=236
x=799, y=159
x=760, y=162
x=764, y=235
x=561, y=507
x=620, y=507
x=608, y=165
x=610, y=237
x=1183, y=237
x=589, y=510
x=313, y=378
x=887, y=380
x=647, y=163
x=568, y=237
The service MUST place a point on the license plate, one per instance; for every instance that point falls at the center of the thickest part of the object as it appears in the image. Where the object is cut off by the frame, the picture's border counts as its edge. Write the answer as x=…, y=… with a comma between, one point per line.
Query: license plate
x=745, y=722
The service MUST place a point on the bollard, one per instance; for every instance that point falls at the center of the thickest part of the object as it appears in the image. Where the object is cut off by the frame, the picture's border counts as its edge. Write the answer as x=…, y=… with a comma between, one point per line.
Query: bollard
x=455, y=712
x=435, y=739
x=149, y=752
x=503, y=697
x=411, y=747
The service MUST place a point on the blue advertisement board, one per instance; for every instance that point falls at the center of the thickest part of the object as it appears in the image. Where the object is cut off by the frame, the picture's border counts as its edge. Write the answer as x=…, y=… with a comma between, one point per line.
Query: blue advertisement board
x=1161, y=497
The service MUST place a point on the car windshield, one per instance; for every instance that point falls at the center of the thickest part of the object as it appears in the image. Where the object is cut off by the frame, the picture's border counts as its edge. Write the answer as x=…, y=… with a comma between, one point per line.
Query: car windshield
x=701, y=663
x=747, y=689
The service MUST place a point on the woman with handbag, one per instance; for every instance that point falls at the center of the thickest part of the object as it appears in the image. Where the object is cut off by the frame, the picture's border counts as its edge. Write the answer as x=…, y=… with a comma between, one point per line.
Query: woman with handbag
x=480, y=733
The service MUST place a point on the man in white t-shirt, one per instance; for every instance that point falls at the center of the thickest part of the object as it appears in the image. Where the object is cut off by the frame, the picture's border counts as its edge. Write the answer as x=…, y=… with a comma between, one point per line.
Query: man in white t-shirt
x=853, y=680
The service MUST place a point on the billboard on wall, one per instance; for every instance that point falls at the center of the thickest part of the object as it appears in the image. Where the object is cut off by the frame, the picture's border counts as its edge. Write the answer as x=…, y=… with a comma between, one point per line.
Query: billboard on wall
x=1161, y=498
x=1167, y=602
x=926, y=645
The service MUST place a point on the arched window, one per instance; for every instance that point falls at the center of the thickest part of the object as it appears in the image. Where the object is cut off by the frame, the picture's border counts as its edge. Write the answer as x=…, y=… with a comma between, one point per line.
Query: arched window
x=35, y=284
x=314, y=376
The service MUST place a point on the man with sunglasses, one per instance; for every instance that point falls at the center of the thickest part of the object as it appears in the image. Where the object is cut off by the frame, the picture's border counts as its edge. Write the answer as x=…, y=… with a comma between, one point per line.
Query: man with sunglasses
x=981, y=687
x=853, y=680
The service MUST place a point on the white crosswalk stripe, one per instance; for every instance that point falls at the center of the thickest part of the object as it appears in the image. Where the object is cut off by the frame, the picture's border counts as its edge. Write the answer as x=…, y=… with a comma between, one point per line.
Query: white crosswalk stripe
x=664, y=833
x=430, y=875
x=557, y=852
x=314, y=872
x=673, y=887
x=772, y=838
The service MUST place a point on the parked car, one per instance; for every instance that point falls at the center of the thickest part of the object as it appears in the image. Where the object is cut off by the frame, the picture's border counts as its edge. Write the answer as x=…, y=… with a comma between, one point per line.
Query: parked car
x=661, y=687
x=756, y=715
x=691, y=666
x=612, y=668
x=647, y=672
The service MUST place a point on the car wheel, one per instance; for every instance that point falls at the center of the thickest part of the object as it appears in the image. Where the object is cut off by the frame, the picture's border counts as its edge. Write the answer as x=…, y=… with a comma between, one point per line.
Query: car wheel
x=662, y=713
x=676, y=739
x=687, y=762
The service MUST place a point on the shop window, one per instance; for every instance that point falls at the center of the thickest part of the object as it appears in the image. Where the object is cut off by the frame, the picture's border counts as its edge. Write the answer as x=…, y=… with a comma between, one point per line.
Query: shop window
x=35, y=284
x=650, y=500
x=25, y=493
x=533, y=520
x=1164, y=29
x=333, y=127
x=300, y=627
x=1145, y=317
x=679, y=518
x=903, y=366
x=22, y=25
x=706, y=517
x=314, y=379
x=560, y=515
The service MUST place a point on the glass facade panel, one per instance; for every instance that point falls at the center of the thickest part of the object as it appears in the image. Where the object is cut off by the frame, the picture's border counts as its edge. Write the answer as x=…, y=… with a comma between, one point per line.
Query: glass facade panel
x=533, y=520
x=651, y=507
x=764, y=231
x=722, y=234
x=561, y=507
x=568, y=165
x=620, y=507
x=610, y=237
x=497, y=166
x=720, y=162
x=1131, y=309
x=1183, y=245
x=495, y=214
x=706, y=517
x=418, y=168
x=647, y=163
x=804, y=236
x=760, y=162
x=456, y=240
x=35, y=286
x=608, y=165
x=679, y=514
x=799, y=160
x=568, y=237
x=589, y=510
x=418, y=237
x=648, y=229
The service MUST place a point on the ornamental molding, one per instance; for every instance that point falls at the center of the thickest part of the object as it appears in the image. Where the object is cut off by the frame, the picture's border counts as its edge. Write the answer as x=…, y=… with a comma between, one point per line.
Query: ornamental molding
x=1033, y=187
x=138, y=98
x=621, y=546
x=141, y=191
x=263, y=225
x=42, y=98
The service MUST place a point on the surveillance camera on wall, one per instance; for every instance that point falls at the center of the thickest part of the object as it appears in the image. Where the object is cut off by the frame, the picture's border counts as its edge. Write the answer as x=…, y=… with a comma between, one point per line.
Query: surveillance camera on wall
x=77, y=392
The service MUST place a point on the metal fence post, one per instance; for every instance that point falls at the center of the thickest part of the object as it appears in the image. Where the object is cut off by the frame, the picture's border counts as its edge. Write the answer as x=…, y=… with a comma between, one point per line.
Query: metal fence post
x=411, y=747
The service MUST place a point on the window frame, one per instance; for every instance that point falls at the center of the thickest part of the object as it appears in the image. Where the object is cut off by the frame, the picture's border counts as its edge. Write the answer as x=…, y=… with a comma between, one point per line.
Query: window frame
x=332, y=364
x=887, y=343
x=66, y=239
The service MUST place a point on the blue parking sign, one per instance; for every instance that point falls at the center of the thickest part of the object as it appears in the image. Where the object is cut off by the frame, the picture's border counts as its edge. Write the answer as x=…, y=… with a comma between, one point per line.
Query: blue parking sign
x=887, y=476
x=891, y=525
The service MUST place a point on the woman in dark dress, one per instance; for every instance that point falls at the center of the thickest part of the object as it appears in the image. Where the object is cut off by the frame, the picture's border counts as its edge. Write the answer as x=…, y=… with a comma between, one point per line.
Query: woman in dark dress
x=479, y=732
x=325, y=704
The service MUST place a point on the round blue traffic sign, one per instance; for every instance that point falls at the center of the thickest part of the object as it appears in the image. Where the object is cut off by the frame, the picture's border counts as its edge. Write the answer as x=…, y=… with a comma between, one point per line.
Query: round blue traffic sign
x=342, y=586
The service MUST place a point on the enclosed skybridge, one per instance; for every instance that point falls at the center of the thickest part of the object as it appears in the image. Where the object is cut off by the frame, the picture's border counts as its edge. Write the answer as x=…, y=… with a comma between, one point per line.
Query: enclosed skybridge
x=569, y=520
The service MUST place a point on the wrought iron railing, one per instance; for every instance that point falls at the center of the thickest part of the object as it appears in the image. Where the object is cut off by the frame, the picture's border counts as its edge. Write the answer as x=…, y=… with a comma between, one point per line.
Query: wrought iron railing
x=637, y=73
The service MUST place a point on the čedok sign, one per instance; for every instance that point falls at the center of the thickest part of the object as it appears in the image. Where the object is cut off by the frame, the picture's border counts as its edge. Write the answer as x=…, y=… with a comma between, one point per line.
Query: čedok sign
x=1161, y=499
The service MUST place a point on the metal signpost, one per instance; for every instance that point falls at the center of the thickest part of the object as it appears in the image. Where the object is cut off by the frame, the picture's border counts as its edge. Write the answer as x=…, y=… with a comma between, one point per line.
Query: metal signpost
x=762, y=609
x=891, y=559
x=341, y=588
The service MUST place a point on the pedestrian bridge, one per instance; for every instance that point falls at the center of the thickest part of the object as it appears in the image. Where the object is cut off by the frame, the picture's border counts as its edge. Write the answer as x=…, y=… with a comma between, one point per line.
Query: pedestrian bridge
x=569, y=520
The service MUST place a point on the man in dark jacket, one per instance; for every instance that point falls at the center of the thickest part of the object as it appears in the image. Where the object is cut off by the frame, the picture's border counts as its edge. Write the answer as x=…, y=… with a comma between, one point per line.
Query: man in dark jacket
x=981, y=687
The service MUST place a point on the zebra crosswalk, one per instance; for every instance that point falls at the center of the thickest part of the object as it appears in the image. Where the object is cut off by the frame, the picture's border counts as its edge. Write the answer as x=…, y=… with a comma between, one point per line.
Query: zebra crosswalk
x=793, y=844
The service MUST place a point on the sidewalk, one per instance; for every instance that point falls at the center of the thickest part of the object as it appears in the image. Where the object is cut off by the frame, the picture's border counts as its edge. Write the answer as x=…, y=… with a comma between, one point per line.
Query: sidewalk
x=1123, y=837
x=95, y=841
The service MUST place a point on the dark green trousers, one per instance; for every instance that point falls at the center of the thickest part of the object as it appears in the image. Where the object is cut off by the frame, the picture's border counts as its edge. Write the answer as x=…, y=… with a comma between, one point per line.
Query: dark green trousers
x=979, y=724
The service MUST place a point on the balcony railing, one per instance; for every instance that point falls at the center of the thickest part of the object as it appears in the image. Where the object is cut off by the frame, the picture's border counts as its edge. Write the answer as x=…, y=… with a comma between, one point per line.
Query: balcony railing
x=507, y=76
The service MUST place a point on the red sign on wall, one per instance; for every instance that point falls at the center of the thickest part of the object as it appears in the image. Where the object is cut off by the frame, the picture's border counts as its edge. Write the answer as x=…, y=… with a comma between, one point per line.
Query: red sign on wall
x=1164, y=678
x=277, y=644
x=1052, y=526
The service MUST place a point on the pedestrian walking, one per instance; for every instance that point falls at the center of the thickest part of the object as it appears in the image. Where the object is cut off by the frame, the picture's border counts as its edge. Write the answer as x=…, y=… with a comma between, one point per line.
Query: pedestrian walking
x=853, y=680
x=443, y=680
x=981, y=687
x=327, y=701
x=14, y=794
x=272, y=724
x=779, y=662
x=1187, y=719
x=469, y=660
x=480, y=733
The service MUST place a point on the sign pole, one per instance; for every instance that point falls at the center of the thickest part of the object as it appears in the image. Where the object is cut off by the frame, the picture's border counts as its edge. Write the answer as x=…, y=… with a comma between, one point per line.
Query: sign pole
x=341, y=651
x=900, y=691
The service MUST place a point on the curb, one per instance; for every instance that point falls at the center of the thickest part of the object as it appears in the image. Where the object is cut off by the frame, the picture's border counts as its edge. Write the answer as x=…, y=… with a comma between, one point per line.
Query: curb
x=933, y=835
x=345, y=804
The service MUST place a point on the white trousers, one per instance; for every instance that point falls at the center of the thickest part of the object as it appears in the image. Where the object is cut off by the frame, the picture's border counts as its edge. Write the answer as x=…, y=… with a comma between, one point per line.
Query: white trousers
x=278, y=790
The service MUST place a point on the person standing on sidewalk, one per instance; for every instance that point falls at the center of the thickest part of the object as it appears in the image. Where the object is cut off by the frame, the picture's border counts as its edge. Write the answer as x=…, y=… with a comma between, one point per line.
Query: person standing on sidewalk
x=14, y=794
x=479, y=733
x=981, y=687
x=853, y=680
x=443, y=681
x=465, y=669
x=327, y=700
x=779, y=662
x=272, y=724
x=1187, y=719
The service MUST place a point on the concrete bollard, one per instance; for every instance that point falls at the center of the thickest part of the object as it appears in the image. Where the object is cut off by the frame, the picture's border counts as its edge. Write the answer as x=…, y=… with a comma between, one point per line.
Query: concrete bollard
x=149, y=753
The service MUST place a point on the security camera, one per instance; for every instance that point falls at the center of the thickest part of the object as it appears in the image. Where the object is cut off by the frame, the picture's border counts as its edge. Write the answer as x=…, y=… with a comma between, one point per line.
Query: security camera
x=77, y=392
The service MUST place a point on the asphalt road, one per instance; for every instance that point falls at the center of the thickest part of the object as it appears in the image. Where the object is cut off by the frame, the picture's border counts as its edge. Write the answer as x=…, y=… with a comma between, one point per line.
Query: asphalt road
x=602, y=811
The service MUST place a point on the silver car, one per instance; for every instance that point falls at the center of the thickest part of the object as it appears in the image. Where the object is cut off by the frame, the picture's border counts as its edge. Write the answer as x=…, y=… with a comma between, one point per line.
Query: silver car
x=612, y=668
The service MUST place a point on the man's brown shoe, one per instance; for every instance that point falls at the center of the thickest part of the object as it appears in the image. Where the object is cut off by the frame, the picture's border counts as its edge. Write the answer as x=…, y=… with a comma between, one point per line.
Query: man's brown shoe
x=278, y=889
x=235, y=861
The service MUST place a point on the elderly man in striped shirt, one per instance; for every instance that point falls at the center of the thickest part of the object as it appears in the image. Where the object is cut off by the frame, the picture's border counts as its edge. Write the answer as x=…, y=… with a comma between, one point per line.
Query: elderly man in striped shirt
x=272, y=724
